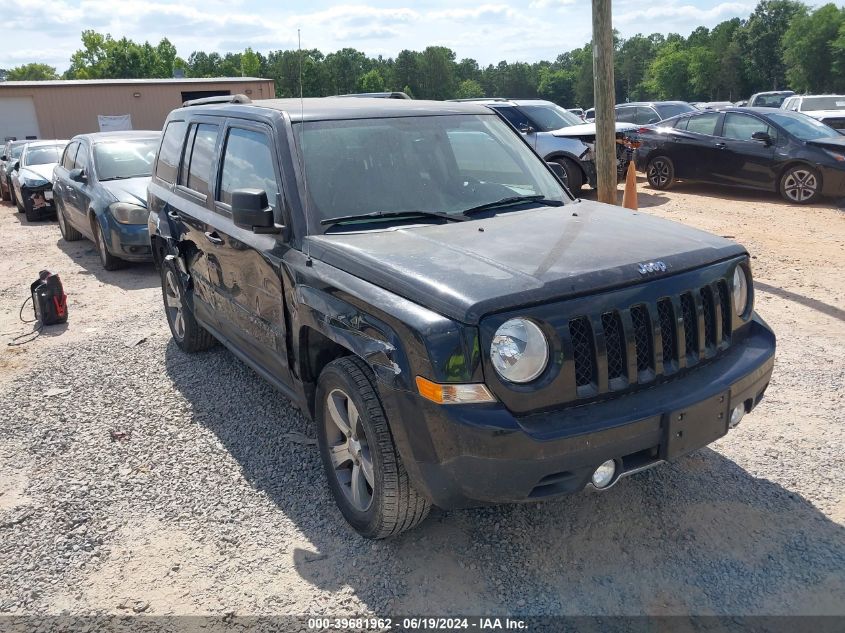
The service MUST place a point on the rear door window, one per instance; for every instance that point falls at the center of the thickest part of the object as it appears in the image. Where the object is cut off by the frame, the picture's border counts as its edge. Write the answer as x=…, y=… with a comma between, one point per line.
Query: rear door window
x=199, y=154
x=703, y=123
x=171, y=151
x=626, y=114
x=248, y=163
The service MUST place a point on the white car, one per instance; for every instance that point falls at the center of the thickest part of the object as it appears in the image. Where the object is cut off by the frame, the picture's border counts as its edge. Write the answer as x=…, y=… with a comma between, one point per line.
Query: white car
x=829, y=109
x=33, y=179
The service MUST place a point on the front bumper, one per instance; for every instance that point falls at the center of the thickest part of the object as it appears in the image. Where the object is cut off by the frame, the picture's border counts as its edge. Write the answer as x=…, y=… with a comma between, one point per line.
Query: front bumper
x=833, y=181
x=130, y=242
x=465, y=455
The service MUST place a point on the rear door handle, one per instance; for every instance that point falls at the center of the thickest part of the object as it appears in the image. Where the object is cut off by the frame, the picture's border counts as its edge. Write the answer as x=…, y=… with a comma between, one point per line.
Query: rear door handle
x=721, y=146
x=173, y=215
x=214, y=238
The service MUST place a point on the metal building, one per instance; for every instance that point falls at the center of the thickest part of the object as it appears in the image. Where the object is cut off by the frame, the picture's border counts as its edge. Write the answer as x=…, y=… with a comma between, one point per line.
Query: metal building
x=61, y=109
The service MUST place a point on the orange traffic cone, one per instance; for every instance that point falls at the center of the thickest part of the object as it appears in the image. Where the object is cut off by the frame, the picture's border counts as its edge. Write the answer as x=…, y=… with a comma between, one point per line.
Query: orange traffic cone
x=629, y=198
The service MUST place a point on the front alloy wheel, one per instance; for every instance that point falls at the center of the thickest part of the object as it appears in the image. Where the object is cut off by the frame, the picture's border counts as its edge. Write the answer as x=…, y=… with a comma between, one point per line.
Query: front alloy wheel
x=660, y=172
x=800, y=185
x=189, y=335
x=349, y=450
x=173, y=305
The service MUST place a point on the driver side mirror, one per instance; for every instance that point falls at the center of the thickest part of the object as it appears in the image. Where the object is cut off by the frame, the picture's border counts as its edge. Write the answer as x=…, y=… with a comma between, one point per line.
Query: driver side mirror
x=77, y=175
x=4, y=157
x=16, y=166
x=763, y=137
x=251, y=211
x=557, y=170
x=526, y=129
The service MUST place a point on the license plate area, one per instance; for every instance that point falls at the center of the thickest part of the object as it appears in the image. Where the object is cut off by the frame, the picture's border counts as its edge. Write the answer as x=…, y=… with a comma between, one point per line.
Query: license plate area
x=48, y=195
x=695, y=426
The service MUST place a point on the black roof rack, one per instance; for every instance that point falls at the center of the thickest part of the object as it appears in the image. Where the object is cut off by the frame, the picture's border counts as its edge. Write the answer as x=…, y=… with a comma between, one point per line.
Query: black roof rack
x=218, y=99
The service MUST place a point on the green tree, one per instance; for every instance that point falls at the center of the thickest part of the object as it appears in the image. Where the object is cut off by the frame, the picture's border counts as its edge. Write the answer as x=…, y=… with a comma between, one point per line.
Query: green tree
x=406, y=71
x=469, y=89
x=345, y=68
x=557, y=86
x=32, y=72
x=372, y=81
x=437, y=73
x=632, y=62
x=808, y=49
x=762, y=42
x=250, y=64
x=668, y=75
x=703, y=68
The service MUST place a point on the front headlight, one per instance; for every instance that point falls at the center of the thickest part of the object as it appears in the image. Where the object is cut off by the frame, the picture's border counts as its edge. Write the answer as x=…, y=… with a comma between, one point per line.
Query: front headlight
x=126, y=213
x=31, y=183
x=519, y=351
x=741, y=291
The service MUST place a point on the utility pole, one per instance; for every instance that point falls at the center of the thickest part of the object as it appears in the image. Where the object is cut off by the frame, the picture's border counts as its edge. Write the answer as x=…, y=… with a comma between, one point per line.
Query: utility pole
x=605, y=97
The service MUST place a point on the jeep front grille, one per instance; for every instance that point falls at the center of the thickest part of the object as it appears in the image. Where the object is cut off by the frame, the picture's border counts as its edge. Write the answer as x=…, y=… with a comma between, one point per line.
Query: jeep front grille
x=645, y=340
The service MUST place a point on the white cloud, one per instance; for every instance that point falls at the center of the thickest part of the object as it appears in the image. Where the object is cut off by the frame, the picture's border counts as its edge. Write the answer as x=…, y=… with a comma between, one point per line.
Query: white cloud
x=686, y=12
x=550, y=4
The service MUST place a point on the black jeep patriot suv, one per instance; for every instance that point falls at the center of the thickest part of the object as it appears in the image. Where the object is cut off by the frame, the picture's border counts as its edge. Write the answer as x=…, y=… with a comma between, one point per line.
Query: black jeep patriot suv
x=461, y=330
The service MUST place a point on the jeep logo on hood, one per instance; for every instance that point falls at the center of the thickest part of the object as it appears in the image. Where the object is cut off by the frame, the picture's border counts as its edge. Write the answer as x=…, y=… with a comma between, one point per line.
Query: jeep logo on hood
x=652, y=267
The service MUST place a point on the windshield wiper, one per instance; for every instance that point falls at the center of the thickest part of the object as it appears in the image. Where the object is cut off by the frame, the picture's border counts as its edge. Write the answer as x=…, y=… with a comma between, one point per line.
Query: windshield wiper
x=512, y=200
x=389, y=215
x=125, y=177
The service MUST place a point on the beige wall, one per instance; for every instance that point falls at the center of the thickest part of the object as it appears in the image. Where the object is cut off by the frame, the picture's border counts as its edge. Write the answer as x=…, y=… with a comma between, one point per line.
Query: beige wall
x=66, y=110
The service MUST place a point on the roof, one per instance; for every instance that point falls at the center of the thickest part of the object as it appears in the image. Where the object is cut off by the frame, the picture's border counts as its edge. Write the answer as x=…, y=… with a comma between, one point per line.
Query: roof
x=327, y=108
x=99, y=137
x=503, y=101
x=42, y=142
x=128, y=82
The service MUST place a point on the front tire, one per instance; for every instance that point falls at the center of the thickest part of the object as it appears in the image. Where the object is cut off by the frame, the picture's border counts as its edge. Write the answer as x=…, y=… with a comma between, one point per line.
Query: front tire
x=660, y=172
x=69, y=234
x=32, y=214
x=800, y=184
x=109, y=261
x=364, y=470
x=17, y=201
x=189, y=335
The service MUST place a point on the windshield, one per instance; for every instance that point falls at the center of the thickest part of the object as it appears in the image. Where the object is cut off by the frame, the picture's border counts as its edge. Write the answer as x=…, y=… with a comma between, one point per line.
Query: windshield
x=770, y=101
x=668, y=110
x=550, y=117
x=445, y=164
x=42, y=154
x=125, y=159
x=823, y=103
x=803, y=127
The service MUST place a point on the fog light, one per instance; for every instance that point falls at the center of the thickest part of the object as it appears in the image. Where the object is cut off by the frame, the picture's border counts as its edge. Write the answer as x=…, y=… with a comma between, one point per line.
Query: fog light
x=736, y=415
x=604, y=474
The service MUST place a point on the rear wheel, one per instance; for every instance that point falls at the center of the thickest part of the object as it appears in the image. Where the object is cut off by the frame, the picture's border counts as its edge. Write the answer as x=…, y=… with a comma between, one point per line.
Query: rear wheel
x=189, y=335
x=660, y=172
x=69, y=233
x=109, y=261
x=364, y=470
x=573, y=176
x=800, y=185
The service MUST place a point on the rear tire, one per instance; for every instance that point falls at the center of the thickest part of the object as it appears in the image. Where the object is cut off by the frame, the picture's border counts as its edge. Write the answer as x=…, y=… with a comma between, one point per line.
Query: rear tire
x=660, y=173
x=800, y=184
x=189, y=335
x=69, y=234
x=109, y=261
x=574, y=179
x=364, y=470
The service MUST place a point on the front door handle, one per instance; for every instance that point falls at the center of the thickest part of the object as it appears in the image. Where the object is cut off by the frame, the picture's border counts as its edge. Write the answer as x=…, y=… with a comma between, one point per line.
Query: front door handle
x=214, y=238
x=173, y=215
x=721, y=146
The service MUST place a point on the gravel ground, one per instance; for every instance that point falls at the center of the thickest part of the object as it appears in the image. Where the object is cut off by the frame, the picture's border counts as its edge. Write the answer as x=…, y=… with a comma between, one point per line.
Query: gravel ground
x=137, y=479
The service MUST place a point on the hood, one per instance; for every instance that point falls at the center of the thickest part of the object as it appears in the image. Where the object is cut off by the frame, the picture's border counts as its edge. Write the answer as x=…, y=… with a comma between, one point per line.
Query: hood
x=45, y=172
x=131, y=190
x=521, y=257
x=825, y=114
x=835, y=142
x=589, y=129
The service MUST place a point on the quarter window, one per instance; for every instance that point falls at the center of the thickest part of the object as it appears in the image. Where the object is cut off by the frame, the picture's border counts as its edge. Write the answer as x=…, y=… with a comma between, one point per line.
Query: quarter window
x=626, y=115
x=171, y=150
x=514, y=116
x=69, y=159
x=248, y=163
x=742, y=127
x=646, y=116
x=704, y=123
x=196, y=165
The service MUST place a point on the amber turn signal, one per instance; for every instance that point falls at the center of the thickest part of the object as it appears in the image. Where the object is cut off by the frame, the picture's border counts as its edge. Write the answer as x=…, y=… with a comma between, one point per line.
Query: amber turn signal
x=453, y=393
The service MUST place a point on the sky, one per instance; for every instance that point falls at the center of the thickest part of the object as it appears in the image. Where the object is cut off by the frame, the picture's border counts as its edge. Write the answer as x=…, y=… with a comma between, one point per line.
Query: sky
x=48, y=31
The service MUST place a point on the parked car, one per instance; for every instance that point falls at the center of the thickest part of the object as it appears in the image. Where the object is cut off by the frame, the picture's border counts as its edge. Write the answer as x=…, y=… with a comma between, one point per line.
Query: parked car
x=772, y=99
x=757, y=148
x=649, y=112
x=561, y=137
x=10, y=155
x=590, y=115
x=829, y=109
x=460, y=329
x=741, y=104
x=713, y=105
x=32, y=178
x=100, y=189
x=579, y=112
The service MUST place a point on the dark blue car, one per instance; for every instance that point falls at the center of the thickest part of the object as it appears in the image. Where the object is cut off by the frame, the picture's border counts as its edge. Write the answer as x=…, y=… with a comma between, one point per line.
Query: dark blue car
x=100, y=189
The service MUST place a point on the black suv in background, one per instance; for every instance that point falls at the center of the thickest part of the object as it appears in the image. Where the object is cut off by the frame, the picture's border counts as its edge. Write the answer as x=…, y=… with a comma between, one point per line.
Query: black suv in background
x=459, y=327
